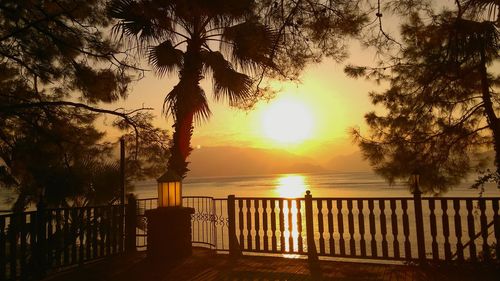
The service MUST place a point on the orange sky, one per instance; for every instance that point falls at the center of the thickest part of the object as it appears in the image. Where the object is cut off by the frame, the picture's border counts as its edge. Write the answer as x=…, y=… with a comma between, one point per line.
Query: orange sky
x=335, y=102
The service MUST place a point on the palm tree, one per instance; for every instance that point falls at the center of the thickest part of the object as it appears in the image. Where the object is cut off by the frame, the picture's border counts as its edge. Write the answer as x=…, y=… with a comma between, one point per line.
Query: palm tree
x=221, y=38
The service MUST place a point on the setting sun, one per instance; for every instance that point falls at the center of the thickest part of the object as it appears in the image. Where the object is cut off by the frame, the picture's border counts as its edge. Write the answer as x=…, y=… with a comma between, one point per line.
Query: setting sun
x=287, y=121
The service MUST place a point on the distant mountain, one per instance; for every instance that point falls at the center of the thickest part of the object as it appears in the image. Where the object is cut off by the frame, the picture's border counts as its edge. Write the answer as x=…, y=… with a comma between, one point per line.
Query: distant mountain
x=236, y=161
x=352, y=162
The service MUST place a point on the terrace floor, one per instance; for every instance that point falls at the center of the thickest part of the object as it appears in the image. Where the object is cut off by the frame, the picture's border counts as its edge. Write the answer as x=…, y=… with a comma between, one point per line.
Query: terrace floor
x=206, y=265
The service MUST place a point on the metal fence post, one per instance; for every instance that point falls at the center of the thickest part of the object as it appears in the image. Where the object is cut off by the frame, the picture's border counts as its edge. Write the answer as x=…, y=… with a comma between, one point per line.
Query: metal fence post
x=234, y=247
x=419, y=220
x=130, y=223
x=311, y=246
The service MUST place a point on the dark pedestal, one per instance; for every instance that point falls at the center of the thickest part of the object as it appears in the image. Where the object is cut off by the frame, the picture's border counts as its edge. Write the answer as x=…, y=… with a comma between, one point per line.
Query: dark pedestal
x=169, y=233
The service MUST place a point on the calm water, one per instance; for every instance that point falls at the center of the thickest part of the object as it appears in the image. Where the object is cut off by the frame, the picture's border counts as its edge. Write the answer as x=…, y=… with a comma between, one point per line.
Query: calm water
x=359, y=184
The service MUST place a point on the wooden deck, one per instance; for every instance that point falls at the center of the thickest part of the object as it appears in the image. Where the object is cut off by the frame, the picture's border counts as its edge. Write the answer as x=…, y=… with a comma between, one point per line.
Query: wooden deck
x=206, y=265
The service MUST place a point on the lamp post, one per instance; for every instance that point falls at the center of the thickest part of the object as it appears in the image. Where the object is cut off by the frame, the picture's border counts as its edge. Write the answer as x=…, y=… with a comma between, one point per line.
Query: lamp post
x=169, y=225
x=169, y=190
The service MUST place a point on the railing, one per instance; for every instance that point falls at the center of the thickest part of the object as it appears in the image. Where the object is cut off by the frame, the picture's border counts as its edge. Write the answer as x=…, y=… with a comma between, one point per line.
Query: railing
x=404, y=228
x=35, y=243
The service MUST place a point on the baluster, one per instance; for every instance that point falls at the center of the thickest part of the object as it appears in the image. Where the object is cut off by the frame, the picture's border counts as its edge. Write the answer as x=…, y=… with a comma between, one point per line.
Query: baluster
x=406, y=229
x=94, y=233
x=3, y=242
x=299, y=227
x=108, y=230
x=470, y=229
x=282, y=225
x=383, y=228
x=331, y=241
x=249, y=224
x=81, y=233
x=74, y=235
x=34, y=261
x=102, y=231
x=319, y=204
x=241, y=223
x=66, y=238
x=371, y=218
x=446, y=230
x=496, y=219
x=264, y=225
x=340, y=221
x=13, y=246
x=290, y=225
x=88, y=237
x=23, y=252
x=273, y=226
x=458, y=229
x=394, y=226
x=350, y=223
x=50, y=239
x=432, y=216
x=484, y=227
x=257, y=225
x=58, y=236
x=361, y=222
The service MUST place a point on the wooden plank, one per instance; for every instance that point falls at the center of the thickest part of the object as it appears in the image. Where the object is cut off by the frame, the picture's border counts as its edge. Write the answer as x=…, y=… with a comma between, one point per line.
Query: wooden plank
x=282, y=225
x=361, y=227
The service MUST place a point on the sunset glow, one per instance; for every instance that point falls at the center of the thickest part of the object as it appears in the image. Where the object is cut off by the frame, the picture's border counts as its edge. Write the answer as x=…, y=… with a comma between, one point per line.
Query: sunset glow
x=287, y=121
x=291, y=186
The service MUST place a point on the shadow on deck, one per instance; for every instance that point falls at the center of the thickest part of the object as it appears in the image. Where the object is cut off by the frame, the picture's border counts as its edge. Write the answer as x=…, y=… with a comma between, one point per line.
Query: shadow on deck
x=206, y=265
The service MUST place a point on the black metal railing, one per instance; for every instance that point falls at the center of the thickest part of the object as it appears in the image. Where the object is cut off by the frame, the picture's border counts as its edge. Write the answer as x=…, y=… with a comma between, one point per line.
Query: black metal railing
x=37, y=242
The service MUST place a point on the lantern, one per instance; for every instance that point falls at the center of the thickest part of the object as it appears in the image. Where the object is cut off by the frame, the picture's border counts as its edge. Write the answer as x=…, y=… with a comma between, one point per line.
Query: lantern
x=415, y=183
x=169, y=190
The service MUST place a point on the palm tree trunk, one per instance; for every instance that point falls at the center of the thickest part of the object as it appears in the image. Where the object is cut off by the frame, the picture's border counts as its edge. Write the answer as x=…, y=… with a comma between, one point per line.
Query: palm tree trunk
x=190, y=76
x=492, y=119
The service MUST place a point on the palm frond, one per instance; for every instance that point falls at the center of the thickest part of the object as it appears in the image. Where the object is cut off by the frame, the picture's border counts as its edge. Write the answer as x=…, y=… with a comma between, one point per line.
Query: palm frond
x=165, y=58
x=250, y=44
x=488, y=8
x=227, y=83
x=185, y=98
x=143, y=20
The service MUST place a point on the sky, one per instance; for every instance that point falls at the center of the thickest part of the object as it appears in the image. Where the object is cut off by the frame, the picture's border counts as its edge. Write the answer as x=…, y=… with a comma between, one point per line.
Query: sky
x=329, y=101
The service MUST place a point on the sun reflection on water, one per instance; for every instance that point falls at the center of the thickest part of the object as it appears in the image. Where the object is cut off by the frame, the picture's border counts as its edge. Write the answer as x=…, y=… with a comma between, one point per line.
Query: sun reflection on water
x=291, y=186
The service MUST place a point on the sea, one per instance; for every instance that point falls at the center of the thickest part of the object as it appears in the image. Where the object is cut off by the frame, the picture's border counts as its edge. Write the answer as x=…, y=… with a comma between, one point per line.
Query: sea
x=332, y=184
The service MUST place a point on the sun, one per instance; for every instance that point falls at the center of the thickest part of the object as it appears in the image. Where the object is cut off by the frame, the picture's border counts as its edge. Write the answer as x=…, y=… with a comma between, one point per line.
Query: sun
x=287, y=121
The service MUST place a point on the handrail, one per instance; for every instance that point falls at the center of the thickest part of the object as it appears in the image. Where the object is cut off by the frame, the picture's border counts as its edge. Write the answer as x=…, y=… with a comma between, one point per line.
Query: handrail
x=474, y=238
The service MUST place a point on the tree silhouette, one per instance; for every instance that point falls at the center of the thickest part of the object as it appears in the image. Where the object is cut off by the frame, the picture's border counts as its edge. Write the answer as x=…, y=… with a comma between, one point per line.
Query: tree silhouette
x=442, y=104
x=223, y=39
